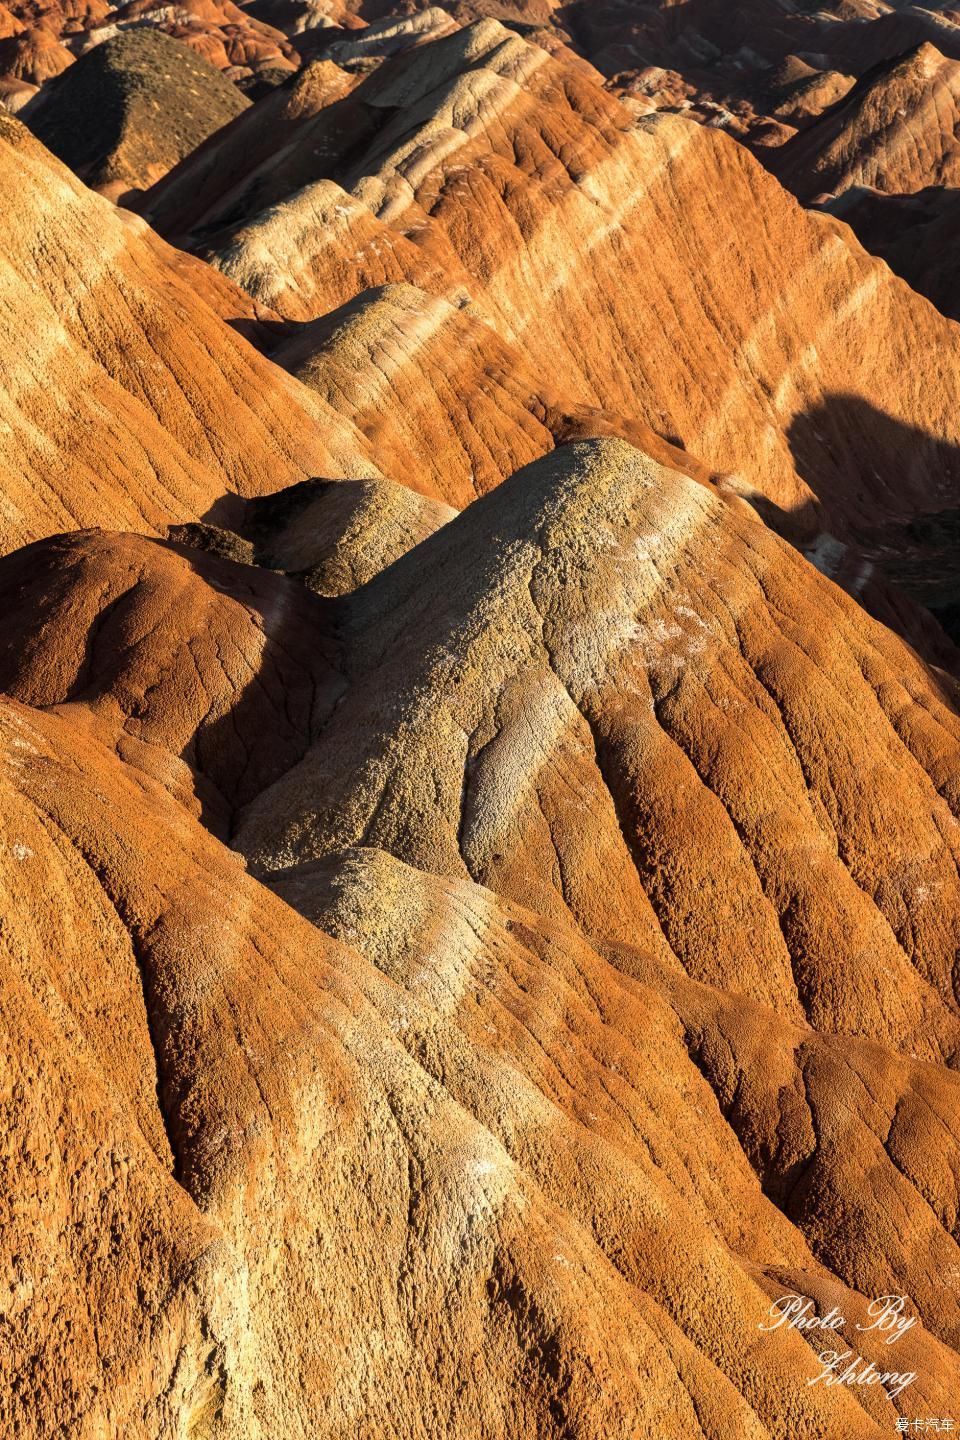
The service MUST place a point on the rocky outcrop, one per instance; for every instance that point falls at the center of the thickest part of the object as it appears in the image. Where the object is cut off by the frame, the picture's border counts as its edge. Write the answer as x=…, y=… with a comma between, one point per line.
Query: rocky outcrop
x=51, y=33
x=448, y=406
x=590, y=693
x=800, y=93
x=209, y=676
x=897, y=131
x=478, y=167
x=131, y=109
x=335, y=535
x=132, y=402
x=587, y=592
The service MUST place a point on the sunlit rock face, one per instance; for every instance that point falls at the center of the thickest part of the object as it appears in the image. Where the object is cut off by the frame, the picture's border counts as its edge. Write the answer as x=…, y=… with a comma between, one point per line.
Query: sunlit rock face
x=480, y=732
x=649, y=268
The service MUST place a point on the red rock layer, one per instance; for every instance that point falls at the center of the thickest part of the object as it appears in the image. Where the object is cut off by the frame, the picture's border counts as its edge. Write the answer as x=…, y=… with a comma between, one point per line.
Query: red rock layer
x=602, y=1159
x=450, y=408
x=651, y=269
x=131, y=402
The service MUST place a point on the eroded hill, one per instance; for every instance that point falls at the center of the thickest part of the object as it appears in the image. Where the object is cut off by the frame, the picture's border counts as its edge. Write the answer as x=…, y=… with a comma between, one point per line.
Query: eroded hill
x=480, y=891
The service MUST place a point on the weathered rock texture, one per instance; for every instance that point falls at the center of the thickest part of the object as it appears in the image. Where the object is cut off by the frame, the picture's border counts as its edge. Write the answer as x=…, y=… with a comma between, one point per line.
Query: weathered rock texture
x=479, y=909
x=252, y=1161
x=586, y=1155
x=897, y=131
x=131, y=108
x=478, y=167
x=129, y=400
x=33, y=56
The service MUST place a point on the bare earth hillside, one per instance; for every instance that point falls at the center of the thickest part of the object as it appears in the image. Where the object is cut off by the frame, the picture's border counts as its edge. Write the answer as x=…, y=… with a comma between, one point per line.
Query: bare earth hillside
x=479, y=721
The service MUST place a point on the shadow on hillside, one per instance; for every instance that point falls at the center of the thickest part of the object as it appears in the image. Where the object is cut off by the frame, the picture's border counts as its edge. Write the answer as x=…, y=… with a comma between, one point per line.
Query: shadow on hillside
x=276, y=688
x=888, y=490
x=883, y=521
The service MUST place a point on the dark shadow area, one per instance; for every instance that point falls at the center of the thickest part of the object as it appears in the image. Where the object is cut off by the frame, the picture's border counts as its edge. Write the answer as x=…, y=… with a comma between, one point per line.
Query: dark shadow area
x=263, y=334
x=915, y=234
x=282, y=703
x=227, y=513
x=885, y=521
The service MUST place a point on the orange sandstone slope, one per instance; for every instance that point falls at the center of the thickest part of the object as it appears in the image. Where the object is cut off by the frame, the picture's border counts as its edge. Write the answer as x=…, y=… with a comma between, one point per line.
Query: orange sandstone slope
x=458, y=1128
x=602, y=691
x=651, y=268
x=898, y=131
x=128, y=399
x=450, y=409
x=447, y=405
x=301, y=1188
x=461, y=1126
x=133, y=400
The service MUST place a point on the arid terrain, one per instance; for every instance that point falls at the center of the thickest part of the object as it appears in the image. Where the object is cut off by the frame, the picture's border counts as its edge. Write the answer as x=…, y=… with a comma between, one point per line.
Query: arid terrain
x=479, y=720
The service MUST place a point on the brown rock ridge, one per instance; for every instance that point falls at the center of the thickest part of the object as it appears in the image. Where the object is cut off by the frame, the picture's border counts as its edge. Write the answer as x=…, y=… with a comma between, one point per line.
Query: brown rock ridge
x=897, y=131
x=599, y=706
x=335, y=535
x=33, y=56
x=800, y=93
x=131, y=108
x=9, y=24
x=448, y=406
x=894, y=32
x=175, y=448
x=211, y=677
x=131, y=402
x=759, y=341
x=15, y=94
x=362, y=49
x=177, y=442
x=723, y=66
x=450, y=410
x=290, y=1146
x=224, y=33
